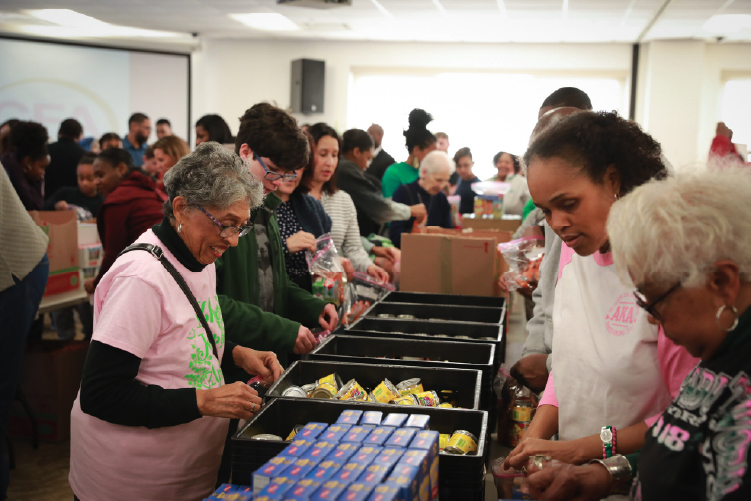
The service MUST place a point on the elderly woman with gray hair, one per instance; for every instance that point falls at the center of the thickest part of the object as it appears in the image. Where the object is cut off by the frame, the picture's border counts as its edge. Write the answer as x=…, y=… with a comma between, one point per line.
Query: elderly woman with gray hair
x=685, y=243
x=153, y=411
x=435, y=171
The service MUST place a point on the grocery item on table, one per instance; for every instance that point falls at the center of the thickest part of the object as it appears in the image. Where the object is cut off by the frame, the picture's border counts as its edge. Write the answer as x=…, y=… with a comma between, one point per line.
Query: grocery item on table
x=410, y=386
x=461, y=442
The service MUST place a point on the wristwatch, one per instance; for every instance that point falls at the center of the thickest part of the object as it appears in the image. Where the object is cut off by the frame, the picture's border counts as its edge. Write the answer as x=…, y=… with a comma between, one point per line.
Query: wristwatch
x=607, y=435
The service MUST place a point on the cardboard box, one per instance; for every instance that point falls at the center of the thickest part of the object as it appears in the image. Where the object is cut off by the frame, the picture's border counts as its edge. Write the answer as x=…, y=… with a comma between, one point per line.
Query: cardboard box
x=62, y=250
x=50, y=379
x=453, y=262
x=508, y=223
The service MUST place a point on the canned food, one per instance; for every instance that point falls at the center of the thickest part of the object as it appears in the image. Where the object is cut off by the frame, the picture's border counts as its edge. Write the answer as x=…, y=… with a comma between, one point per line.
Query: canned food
x=406, y=400
x=446, y=405
x=405, y=316
x=516, y=432
x=462, y=337
x=326, y=390
x=352, y=391
x=294, y=432
x=522, y=411
x=413, y=359
x=385, y=315
x=437, y=320
x=461, y=442
x=488, y=338
x=331, y=378
x=386, y=392
x=421, y=334
x=443, y=440
x=309, y=388
x=295, y=391
x=267, y=436
x=440, y=335
x=410, y=386
x=427, y=399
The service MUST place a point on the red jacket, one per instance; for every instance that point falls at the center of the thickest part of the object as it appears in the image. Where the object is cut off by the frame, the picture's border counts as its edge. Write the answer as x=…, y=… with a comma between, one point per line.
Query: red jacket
x=127, y=212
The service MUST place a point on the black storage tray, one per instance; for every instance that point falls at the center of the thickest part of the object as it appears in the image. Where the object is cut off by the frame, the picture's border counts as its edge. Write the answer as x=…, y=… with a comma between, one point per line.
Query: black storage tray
x=461, y=477
x=410, y=329
x=363, y=349
x=438, y=313
x=465, y=382
x=450, y=299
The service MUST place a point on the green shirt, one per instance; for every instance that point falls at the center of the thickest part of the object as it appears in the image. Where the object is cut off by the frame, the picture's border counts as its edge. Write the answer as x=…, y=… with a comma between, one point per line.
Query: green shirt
x=238, y=288
x=528, y=208
x=397, y=175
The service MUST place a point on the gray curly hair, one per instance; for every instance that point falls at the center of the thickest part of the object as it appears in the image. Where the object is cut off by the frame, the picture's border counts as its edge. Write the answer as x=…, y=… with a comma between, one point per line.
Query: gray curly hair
x=211, y=176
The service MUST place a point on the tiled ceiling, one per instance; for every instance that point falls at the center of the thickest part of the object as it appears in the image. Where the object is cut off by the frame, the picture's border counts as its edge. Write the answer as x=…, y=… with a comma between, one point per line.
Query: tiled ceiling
x=410, y=20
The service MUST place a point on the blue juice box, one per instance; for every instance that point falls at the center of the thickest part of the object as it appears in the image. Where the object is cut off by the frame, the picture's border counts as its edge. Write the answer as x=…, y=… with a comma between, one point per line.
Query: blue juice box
x=356, y=434
x=356, y=492
x=349, y=473
x=330, y=491
x=297, y=448
x=419, y=421
x=321, y=449
x=349, y=417
x=385, y=492
x=366, y=454
x=311, y=430
x=277, y=488
x=395, y=419
x=335, y=432
x=407, y=478
x=372, y=417
x=273, y=468
x=325, y=469
x=343, y=451
x=379, y=435
x=302, y=490
x=401, y=437
x=420, y=460
x=374, y=474
x=427, y=440
x=389, y=457
x=300, y=468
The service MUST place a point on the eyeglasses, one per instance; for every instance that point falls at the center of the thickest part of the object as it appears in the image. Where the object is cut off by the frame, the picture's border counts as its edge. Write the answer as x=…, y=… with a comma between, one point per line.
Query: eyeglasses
x=641, y=301
x=229, y=231
x=273, y=176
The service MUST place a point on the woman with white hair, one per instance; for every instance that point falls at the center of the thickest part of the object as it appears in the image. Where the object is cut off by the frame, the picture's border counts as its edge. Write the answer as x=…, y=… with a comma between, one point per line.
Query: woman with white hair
x=686, y=244
x=152, y=394
x=435, y=171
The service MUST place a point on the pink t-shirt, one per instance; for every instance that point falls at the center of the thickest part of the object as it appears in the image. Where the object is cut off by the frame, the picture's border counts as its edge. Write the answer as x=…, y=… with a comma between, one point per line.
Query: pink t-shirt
x=139, y=308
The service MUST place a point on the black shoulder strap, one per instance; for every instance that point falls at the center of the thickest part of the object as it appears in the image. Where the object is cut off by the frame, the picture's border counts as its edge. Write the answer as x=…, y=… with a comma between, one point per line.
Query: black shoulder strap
x=156, y=251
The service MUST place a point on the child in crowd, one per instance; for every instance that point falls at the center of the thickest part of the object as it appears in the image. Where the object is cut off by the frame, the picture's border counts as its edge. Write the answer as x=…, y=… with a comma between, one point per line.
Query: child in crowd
x=85, y=199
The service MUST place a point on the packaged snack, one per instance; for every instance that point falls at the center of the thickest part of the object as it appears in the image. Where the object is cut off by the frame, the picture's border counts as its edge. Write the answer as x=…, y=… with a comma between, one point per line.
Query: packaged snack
x=524, y=257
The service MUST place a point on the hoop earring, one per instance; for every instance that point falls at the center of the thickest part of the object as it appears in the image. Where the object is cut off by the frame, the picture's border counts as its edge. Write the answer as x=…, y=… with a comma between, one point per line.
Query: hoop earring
x=179, y=228
x=720, y=312
x=616, y=196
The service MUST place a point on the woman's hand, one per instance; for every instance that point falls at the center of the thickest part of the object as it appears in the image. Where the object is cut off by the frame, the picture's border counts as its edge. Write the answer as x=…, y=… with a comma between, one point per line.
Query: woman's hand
x=235, y=401
x=391, y=253
x=301, y=241
x=348, y=268
x=560, y=481
x=329, y=318
x=61, y=205
x=260, y=363
x=562, y=450
x=305, y=342
x=532, y=371
x=88, y=286
x=378, y=273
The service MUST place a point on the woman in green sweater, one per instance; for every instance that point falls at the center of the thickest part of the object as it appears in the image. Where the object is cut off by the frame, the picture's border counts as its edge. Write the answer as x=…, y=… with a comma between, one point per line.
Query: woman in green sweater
x=420, y=142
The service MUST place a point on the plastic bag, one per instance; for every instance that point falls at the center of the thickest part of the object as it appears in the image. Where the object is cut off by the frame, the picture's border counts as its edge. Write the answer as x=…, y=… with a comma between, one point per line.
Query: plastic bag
x=328, y=275
x=516, y=407
x=362, y=292
x=524, y=257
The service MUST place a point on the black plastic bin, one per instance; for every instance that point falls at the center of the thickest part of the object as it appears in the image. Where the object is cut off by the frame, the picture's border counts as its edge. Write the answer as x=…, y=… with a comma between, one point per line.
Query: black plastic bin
x=383, y=351
x=465, y=383
x=433, y=331
x=461, y=477
x=450, y=299
x=440, y=312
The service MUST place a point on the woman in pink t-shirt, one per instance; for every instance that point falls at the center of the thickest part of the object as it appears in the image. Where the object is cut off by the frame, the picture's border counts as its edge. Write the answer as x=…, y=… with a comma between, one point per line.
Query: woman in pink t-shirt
x=613, y=370
x=153, y=411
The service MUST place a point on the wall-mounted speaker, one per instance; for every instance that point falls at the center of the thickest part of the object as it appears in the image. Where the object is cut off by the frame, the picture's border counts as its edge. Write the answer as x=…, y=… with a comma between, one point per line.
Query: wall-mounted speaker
x=308, y=79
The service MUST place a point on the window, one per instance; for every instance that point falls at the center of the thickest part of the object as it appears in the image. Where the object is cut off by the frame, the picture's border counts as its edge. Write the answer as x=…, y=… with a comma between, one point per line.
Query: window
x=488, y=112
x=736, y=110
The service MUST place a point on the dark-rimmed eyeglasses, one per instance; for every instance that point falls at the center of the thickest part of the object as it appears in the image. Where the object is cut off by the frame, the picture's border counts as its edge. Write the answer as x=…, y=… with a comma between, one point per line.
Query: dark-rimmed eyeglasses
x=229, y=231
x=641, y=302
x=274, y=176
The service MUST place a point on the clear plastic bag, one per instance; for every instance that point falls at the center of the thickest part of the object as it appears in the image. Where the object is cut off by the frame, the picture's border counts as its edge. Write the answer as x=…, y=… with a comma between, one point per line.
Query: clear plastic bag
x=524, y=257
x=328, y=275
x=362, y=292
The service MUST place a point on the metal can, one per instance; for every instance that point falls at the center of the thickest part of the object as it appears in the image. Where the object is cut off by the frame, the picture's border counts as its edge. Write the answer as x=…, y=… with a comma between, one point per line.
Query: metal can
x=405, y=316
x=446, y=405
x=326, y=390
x=267, y=436
x=522, y=411
x=461, y=442
x=421, y=334
x=440, y=335
x=427, y=399
x=541, y=461
x=386, y=392
x=443, y=440
x=352, y=391
x=462, y=336
x=331, y=378
x=309, y=388
x=385, y=315
x=294, y=432
x=488, y=338
x=410, y=386
x=295, y=391
x=516, y=432
x=405, y=400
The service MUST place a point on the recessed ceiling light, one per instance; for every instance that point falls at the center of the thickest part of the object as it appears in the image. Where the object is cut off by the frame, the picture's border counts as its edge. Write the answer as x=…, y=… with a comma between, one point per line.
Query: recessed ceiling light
x=723, y=24
x=68, y=18
x=267, y=21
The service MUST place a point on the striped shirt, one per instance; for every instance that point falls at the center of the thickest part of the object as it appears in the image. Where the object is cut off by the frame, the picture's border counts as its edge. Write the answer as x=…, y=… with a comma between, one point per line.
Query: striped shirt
x=344, y=229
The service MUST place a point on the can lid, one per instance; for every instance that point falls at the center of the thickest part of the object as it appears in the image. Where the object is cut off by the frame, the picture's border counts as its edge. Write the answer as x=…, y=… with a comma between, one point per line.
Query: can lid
x=465, y=432
x=267, y=436
x=408, y=383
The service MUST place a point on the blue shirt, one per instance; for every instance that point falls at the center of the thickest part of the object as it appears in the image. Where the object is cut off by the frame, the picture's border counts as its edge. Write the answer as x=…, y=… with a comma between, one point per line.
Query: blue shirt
x=136, y=153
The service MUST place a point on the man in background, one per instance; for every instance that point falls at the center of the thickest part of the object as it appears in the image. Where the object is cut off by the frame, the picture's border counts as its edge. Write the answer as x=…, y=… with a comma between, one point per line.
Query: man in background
x=64, y=157
x=381, y=159
x=443, y=142
x=163, y=128
x=139, y=130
